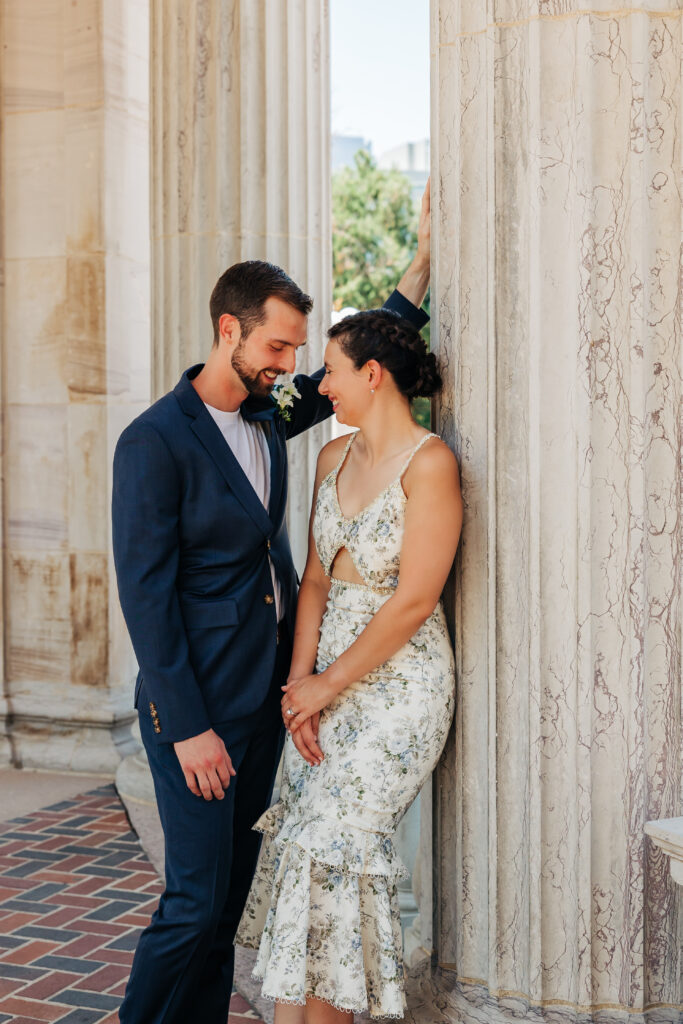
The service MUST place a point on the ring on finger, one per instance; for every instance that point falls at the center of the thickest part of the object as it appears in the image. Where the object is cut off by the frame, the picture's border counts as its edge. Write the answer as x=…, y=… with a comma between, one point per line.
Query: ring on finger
x=290, y=712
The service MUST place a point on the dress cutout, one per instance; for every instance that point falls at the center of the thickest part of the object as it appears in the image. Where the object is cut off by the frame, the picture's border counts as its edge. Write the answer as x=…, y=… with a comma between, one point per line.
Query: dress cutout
x=373, y=537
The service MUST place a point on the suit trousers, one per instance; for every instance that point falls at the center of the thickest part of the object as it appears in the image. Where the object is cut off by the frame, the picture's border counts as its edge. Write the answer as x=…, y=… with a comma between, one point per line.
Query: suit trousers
x=183, y=966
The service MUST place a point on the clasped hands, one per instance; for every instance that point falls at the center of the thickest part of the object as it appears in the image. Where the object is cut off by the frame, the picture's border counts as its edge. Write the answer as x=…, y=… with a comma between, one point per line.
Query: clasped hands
x=206, y=764
x=302, y=702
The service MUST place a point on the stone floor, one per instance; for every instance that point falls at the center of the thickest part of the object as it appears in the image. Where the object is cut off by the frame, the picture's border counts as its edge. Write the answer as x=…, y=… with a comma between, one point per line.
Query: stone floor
x=76, y=889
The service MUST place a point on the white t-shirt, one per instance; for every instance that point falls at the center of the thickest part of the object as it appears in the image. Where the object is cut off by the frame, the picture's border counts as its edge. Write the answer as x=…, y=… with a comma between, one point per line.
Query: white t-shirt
x=250, y=448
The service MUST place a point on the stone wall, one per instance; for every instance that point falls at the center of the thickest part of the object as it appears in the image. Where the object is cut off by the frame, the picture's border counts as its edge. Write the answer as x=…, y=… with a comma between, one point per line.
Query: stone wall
x=240, y=170
x=557, y=172
x=75, y=359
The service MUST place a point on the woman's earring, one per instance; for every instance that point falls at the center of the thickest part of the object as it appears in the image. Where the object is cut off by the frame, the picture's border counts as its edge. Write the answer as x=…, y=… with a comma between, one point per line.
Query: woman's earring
x=372, y=391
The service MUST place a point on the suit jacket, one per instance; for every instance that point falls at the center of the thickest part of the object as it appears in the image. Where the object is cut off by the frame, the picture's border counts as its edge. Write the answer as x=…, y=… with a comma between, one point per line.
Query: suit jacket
x=191, y=546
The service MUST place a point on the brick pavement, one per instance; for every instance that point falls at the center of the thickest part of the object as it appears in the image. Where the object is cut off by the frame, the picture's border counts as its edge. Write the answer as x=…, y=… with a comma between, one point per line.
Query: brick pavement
x=76, y=889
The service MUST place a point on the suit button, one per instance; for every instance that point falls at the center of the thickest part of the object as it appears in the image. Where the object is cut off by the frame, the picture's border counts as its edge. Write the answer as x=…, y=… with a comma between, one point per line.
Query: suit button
x=269, y=598
x=268, y=544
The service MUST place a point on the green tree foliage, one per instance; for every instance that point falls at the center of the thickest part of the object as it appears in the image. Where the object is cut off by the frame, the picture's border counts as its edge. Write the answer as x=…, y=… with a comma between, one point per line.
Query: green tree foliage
x=374, y=232
x=374, y=238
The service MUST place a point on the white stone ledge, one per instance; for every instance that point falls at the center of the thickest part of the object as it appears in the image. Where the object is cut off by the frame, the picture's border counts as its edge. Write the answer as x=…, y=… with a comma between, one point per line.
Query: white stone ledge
x=51, y=744
x=667, y=833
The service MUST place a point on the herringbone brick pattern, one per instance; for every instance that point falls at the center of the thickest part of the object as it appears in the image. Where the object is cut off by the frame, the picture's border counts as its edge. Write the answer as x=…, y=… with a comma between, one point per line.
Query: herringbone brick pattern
x=76, y=889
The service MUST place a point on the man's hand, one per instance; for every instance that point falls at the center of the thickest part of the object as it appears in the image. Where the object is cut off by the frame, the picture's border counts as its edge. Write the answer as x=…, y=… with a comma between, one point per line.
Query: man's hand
x=414, y=283
x=206, y=764
x=305, y=740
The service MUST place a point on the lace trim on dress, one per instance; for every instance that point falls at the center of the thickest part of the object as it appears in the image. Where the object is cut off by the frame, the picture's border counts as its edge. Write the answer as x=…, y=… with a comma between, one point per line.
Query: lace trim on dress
x=389, y=589
x=306, y=861
x=343, y=1009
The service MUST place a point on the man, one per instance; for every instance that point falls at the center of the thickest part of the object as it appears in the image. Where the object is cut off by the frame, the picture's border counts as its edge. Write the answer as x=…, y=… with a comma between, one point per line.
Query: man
x=208, y=590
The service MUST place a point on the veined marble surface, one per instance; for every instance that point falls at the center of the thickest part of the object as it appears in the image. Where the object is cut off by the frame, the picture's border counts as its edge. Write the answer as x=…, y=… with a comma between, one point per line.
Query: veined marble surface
x=222, y=82
x=557, y=147
x=76, y=364
x=248, y=81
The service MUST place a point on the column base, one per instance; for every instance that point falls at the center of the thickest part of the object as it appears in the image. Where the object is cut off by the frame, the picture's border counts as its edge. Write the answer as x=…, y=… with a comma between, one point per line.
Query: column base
x=6, y=757
x=31, y=741
x=436, y=996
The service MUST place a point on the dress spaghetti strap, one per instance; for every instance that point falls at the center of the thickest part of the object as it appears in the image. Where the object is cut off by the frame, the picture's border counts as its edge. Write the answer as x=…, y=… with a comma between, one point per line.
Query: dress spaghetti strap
x=414, y=453
x=348, y=444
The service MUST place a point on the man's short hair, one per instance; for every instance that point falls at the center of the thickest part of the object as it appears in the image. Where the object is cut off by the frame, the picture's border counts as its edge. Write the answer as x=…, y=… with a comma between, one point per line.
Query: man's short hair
x=243, y=290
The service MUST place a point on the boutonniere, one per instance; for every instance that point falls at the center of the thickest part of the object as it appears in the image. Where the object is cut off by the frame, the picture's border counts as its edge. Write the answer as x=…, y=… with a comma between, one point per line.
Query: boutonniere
x=283, y=395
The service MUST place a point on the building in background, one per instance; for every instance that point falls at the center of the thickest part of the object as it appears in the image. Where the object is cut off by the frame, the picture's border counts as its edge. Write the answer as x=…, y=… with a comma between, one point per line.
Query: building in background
x=412, y=159
x=344, y=149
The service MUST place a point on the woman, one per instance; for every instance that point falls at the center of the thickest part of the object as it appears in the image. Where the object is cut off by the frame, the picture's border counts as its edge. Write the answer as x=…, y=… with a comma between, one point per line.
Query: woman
x=369, y=699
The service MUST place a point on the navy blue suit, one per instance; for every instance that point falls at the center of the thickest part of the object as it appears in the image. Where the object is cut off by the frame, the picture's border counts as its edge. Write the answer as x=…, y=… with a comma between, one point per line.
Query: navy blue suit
x=191, y=547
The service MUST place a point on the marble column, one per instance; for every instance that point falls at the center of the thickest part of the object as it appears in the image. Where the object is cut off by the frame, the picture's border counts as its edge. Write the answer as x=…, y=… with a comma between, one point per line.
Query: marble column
x=75, y=364
x=557, y=240
x=239, y=111
x=5, y=743
x=240, y=170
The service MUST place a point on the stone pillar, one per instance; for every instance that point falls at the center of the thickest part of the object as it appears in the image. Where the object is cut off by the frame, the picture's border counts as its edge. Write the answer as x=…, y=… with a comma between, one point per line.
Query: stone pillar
x=75, y=364
x=240, y=170
x=557, y=238
x=5, y=743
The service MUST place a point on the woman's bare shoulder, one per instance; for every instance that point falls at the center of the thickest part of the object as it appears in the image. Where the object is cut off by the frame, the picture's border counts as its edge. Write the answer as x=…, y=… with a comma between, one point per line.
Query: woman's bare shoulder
x=434, y=460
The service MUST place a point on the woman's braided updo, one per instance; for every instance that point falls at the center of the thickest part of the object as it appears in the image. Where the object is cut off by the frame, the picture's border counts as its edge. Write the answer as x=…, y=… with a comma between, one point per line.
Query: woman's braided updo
x=395, y=344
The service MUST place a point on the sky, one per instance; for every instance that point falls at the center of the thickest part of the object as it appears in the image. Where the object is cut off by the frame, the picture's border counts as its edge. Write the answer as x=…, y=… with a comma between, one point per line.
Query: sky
x=380, y=70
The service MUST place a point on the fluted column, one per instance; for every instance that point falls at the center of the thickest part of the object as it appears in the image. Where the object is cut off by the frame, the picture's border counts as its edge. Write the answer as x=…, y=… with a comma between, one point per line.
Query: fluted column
x=240, y=170
x=557, y=170
x=75, y=364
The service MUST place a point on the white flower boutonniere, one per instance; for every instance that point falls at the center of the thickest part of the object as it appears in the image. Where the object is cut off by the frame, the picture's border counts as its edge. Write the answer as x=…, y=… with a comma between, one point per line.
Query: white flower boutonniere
x=283, y=396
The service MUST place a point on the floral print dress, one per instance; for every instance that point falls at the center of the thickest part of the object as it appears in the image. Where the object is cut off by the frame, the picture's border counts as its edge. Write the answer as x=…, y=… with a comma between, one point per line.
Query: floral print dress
x=323, y=908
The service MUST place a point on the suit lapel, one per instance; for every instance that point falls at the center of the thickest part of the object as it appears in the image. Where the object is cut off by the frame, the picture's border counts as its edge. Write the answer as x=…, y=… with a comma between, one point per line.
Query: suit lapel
x=233, y=474
x=220, y=451
x=277, y=472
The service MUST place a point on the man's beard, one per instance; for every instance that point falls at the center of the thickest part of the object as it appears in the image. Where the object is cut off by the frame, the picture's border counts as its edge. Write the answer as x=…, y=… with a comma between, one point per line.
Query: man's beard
x=252, y=379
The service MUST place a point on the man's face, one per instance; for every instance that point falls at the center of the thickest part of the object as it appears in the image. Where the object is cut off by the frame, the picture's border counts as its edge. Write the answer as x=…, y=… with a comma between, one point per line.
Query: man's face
x=271, y=347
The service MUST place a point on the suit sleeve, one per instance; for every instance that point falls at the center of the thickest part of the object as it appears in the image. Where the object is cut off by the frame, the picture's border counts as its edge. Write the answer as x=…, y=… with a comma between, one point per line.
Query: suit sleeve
x=313, y=407
x=404, y=307
x=145, y=504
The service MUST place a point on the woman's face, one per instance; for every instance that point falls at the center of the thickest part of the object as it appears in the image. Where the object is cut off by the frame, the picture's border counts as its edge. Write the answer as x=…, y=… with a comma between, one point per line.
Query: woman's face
x=347, y=388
